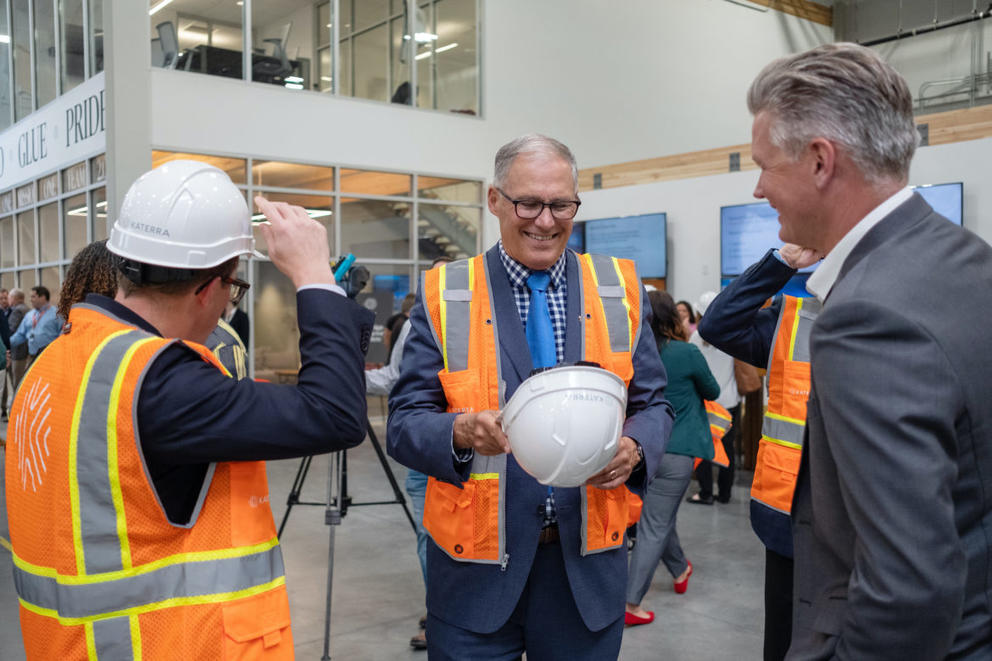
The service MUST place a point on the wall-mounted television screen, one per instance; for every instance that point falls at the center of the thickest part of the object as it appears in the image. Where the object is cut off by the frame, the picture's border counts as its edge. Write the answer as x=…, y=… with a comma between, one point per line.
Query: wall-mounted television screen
x=748, y=231
x=577, y=239
x=640, y=238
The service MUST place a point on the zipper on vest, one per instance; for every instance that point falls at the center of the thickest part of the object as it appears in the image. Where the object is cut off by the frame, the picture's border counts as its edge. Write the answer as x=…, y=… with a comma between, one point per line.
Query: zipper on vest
x=504, y=562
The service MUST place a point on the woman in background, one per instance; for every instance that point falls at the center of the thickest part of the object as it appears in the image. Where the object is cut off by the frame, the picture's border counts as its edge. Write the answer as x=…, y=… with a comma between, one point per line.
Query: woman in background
x=92, y=271
x=689, y=383
x=687, y=317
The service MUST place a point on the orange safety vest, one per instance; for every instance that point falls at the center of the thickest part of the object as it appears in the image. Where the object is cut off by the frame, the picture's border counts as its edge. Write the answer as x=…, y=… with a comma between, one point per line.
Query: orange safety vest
x=780, y=447
x=99, y=570
x=467, y=522
x=720, y=420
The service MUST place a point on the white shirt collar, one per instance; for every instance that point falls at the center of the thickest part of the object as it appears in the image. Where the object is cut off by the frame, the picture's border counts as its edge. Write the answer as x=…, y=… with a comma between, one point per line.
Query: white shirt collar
x=823, y=278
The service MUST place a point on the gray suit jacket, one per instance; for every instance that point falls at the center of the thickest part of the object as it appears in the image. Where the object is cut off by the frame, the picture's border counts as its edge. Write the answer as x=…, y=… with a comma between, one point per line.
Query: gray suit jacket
x=892, y=517
x=17, y=312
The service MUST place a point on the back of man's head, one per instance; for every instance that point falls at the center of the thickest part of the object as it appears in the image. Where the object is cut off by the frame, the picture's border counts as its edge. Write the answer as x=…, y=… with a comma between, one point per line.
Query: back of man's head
x=847, y=94
x=16, y=296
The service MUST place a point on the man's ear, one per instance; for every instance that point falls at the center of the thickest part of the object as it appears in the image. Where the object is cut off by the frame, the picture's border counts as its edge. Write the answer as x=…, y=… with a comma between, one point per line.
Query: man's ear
x=492, y=198
x=823, y=161
x=204, y=295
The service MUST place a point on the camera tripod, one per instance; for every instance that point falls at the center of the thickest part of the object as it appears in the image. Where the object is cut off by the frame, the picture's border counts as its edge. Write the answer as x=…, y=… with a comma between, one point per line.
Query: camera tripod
x=336, y=506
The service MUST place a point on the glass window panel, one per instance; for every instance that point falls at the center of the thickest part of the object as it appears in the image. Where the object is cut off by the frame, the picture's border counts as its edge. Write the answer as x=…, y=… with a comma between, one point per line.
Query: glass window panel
x=345, y=88
x=324, y=24
x=50, y=278
x=277, y=337
x=27, y=279
x=25, y=239
x=5, y=101
x=7, y=202
x=452, y=190
x=384, y=295
x=344, y=6
x=401, y=92
x=283, y=42
x=375, y=229
x=74, y=224
x=292, y=175
x=191, y=35
x=7, y=280
x=370, y=12
x=447, y=231
x=96, y=36
x=371, y=64
x=25, y=195
x=44, y=50
x=72, y=39
x=6, y=242
x=48, y=226
x=74, y=177
x=236, y=168
x=324, y=70
x=423, y=58
x=48, y=187
x=21, y=45
x=99, y=198
x=455, y=57
x=320, y=207
x=375, y=183
x=98, y=168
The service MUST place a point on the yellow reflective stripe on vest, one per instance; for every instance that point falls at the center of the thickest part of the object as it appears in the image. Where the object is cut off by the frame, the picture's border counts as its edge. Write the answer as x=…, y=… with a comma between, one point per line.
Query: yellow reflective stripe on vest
x=782, y=430
x=613, y=296
x=716, y=420
x=483, y=476
x=184, y=579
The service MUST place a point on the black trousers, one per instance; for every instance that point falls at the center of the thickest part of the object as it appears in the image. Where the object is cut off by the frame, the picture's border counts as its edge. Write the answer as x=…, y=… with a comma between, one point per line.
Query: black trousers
x=778, y=605
x=725, y=477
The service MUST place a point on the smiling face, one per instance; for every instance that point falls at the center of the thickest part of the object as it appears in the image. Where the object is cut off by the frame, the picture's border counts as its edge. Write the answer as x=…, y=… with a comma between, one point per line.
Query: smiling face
x=788, y=185
x=539, y=242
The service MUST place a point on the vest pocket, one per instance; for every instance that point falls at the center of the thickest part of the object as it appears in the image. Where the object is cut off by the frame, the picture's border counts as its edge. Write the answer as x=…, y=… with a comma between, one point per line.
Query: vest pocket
x=257, y=627
x=462, y=389
x=464, y=522
x=608, y=513
x=775, y=471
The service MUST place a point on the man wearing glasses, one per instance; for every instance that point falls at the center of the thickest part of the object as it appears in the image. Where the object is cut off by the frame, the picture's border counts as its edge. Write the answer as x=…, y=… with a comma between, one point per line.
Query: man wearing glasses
x=512, y=566
x=137, y=494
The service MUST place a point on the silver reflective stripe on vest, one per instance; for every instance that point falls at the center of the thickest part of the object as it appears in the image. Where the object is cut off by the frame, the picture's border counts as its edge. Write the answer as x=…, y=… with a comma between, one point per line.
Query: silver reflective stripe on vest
x=97, y=515
x=808, y=310
x=776, y=429
x=457, y=298
x=612, y=293
x=718, y=421
x=112, y=639
x=186, y=579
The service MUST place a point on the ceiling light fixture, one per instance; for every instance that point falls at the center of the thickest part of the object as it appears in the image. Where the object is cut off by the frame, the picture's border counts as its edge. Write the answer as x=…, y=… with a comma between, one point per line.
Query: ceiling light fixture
x=157, y=7
x=313, y=213
x=423, y=56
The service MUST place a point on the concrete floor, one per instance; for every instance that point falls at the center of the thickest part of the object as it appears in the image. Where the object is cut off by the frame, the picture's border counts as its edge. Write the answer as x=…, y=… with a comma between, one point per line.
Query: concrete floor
x=378, y=593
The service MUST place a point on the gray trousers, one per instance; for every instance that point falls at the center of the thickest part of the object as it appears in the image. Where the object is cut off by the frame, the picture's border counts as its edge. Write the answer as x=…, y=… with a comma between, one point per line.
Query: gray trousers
x=657, y=539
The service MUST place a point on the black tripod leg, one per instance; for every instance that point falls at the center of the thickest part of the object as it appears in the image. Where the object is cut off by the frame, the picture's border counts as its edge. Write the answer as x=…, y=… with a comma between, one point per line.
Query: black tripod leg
x=397, y=492
x=294, y=492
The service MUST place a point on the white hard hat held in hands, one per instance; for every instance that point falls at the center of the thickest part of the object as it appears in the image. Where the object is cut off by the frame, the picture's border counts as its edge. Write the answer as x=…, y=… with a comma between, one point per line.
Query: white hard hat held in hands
x=564, y=424
x=183, y=215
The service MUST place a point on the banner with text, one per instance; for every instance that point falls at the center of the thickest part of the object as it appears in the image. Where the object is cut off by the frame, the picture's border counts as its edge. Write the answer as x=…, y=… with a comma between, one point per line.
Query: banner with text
x=66, y=130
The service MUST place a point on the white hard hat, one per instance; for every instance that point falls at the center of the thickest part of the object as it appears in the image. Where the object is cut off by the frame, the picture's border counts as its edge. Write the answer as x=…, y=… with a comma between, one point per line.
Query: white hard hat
x=564, y=424
x=704, y=301
x=182, y=215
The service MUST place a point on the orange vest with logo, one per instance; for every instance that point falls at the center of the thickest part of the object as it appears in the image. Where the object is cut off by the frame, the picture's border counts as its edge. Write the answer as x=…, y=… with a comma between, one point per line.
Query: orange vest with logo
x=467, y=521
x=720, y=421
x=780, y=447
x=100, y=572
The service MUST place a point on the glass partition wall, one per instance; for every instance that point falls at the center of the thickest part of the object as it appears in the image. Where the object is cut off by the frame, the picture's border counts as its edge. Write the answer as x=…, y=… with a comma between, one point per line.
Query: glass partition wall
x=422, y=53
x=395, y=223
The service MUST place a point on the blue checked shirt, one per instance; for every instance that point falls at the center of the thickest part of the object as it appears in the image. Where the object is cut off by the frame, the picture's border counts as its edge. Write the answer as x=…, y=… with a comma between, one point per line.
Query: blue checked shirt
x=557, y=295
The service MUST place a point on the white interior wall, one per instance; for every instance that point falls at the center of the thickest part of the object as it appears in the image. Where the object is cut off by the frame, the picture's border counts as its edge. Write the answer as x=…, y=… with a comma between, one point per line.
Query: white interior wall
x=693, y=208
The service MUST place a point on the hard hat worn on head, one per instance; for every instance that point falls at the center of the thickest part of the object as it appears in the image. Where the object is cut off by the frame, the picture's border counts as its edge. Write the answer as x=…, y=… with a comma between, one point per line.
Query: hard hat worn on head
x=564, y=424
x=182, y=215
x=704, y=301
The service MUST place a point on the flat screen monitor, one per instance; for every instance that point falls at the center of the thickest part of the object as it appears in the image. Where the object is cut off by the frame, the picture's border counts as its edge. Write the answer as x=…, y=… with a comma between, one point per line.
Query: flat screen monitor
x=640, y=238
x=946, y=199
x=748, y=231
x=577, y=239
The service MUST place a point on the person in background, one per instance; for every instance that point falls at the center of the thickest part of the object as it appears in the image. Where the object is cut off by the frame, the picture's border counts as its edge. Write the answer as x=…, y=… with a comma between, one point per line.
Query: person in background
x=39, y=326
x=687, y=316
x=689, y=383
x=93, y=271
x=892, y=511
x=722, y=367
x=238, y=320
x=4, y=346
x=536, y=570
x=395, y=322
x=17, y=361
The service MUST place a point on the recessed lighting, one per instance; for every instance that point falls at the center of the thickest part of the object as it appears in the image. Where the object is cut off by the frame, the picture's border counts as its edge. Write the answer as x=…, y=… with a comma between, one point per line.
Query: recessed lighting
x=294, y=86
x=4, y=38
x=158, y=7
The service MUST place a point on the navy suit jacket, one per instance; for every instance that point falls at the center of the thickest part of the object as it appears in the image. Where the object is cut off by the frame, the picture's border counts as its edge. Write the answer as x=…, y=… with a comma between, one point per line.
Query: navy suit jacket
x=481, y=597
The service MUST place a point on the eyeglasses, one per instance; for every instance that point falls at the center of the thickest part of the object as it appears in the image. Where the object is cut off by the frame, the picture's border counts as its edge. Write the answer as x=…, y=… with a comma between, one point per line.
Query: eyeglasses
x=238, y=287
x=531, y=209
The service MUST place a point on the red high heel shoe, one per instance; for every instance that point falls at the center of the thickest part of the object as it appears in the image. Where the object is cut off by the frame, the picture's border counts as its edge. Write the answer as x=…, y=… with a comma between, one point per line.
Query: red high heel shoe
x=631, y=620
x=683, y=585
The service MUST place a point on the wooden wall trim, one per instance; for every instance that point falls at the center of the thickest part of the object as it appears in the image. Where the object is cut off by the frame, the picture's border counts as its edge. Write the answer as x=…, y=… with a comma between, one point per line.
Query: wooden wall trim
x=811, y=11
x=941, y=128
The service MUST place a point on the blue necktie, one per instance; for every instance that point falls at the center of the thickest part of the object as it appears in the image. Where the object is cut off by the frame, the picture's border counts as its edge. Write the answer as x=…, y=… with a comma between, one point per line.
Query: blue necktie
x=540, y=334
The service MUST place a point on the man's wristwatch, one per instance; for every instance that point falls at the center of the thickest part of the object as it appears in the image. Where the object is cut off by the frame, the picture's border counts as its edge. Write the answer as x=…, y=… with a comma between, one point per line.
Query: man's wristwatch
x=640, y=455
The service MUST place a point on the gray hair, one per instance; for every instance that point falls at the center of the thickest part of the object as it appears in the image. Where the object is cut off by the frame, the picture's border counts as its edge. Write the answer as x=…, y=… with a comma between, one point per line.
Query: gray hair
x=529, y=144
x=17, y=293
x=845, y=93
